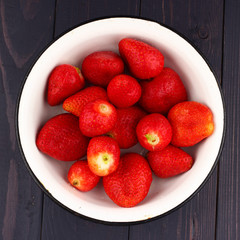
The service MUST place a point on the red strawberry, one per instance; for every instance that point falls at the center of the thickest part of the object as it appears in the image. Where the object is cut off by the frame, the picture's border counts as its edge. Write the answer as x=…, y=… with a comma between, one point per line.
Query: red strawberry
x=81, y=177
x=124, y=131
x=103, y=155
x=62, y=139
x=130, y=183
x=64, y=81
x=100, y=67
x=98, y=117
x=163, y=92
x=191, y=123
x=75, y=103
x=154, y=132
x=169, y=162
x=143, y=60
x=124, y=91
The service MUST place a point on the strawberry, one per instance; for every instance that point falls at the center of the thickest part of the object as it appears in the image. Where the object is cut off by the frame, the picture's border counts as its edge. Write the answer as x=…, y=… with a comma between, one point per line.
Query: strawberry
x=61, y=138
x=81, y=177
x=124, y=91
x=191, y=123
x=143, y=60
x=124, y=131
x=169, y=162
x=130, y=183
x=63, y=81
x=103, y=155
x=154, y=132
x=75, y=103
x=163, y=92
x=98, y=117
x=100, y=67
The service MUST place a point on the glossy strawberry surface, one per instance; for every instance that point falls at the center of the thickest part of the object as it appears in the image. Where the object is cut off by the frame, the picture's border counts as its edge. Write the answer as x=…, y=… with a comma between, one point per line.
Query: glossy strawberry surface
x=154, y=132
x=191, y=123
x=81, y=177
x=130, y=183
x=97, y=118
x=169, y=162
x=143, y=60
x=63, y=81
x=103, y=155
x=75, y=103
x=163, y=92
x=124, y=91
x=124, y=131
x=61, y=138
x=100, y=67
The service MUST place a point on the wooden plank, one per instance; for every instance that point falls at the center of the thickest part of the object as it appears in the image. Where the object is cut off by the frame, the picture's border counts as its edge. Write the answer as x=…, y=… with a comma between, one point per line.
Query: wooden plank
x=25, y=28
x=228, y=217
x=60, y=224
x=73, y=12
x=57, y=222
x=201, y=22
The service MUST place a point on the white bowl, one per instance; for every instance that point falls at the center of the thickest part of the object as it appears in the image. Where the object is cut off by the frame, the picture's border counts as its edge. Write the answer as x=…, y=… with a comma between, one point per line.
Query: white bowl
x=32, y=111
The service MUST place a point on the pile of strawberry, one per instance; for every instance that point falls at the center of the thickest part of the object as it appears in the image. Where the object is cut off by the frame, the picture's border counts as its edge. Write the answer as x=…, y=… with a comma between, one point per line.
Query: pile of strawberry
x=115, y=111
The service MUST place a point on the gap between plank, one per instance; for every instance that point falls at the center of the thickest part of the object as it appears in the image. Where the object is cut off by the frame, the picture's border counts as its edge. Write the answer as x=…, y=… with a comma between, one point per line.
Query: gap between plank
x=221, y=84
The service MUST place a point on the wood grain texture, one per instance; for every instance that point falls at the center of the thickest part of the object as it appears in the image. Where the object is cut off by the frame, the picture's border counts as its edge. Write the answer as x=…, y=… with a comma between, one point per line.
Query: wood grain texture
x=228, y=215
x=57, y=222
x=201, y=22
x=23, y=33
x=60, y=224
x=26, y=27
x=74, y=12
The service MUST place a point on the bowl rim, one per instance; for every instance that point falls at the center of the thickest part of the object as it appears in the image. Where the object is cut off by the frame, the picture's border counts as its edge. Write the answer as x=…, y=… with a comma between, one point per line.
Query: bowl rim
x=42, y=187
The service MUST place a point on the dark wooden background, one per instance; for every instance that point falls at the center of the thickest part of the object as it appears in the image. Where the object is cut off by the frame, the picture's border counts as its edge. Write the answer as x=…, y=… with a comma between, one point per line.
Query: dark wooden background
x=26, y=27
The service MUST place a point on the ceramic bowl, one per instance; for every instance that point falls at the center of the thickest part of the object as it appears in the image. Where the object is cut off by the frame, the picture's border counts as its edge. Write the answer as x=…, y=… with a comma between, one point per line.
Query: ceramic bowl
x=165, y=195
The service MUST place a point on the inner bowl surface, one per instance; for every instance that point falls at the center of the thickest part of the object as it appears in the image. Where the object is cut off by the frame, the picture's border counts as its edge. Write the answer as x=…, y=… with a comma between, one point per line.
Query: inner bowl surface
x=33, y=111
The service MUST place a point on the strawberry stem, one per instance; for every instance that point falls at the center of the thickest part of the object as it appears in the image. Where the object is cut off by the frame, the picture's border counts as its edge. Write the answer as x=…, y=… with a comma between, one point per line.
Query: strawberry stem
x=105, y=158
x=75, y=182
x=153, y=139
x=110, y=134
x=104, y=108
x=79, y=72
